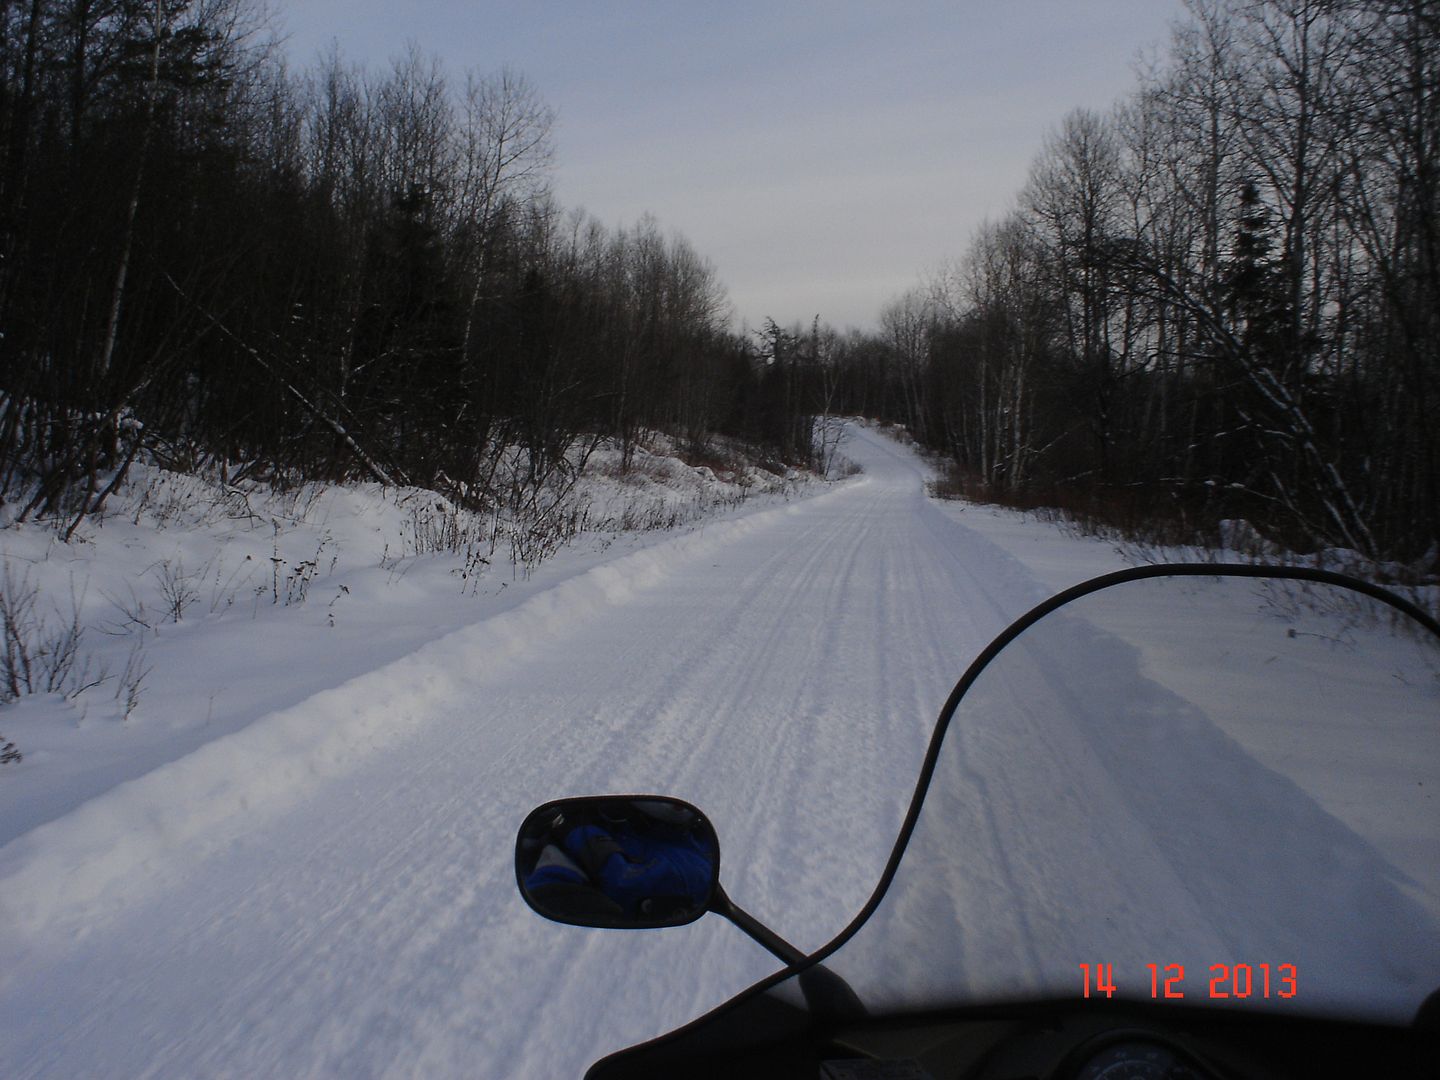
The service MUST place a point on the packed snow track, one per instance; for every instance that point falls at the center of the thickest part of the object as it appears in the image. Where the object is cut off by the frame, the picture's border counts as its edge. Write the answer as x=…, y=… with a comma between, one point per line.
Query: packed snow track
x=330, y=890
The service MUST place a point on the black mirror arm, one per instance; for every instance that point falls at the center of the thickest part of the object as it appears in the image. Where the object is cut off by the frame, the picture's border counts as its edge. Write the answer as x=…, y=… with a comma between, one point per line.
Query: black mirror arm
x=723, y=905
x=826, y=993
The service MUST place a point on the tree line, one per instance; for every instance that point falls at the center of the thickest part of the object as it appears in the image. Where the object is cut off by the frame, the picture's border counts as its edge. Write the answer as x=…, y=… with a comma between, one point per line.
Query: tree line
x=209, y=258
x=1219, y=300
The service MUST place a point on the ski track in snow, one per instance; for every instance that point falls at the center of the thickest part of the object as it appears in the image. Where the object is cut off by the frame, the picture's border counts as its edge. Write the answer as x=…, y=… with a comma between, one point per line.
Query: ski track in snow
x=330, y=892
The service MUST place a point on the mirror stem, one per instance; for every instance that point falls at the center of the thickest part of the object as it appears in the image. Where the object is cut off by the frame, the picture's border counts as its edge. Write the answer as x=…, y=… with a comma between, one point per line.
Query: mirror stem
x=723, y=905
x=826, y=994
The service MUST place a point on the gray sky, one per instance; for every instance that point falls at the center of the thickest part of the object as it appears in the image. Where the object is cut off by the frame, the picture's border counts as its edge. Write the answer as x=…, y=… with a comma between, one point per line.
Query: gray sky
x=823, y=155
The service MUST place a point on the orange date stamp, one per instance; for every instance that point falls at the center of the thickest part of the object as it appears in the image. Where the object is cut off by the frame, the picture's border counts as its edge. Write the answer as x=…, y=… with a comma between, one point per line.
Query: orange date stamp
x=1167, y=981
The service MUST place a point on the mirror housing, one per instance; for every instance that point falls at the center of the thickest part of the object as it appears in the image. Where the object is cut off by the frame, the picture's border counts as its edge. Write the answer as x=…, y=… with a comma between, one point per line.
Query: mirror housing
x=631, y=862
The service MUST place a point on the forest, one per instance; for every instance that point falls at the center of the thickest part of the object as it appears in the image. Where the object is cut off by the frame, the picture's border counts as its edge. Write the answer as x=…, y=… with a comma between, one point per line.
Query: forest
x=216, y=262
x=1218, y=301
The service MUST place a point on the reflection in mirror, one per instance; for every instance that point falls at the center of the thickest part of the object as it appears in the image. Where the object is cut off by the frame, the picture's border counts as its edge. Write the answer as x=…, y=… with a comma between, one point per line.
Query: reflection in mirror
x=618, y=861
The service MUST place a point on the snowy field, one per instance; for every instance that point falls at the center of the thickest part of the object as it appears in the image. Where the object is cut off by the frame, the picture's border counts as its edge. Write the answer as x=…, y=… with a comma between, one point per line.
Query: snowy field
x=294, y=857
x=223, y=604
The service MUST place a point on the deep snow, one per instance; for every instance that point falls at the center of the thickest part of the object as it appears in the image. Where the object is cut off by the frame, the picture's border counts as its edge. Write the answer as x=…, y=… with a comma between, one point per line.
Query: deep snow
x=236, y=602
x=326, y=889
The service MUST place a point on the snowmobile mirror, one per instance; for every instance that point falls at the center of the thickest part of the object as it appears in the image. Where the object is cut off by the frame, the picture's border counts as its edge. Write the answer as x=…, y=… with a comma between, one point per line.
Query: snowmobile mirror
x=624, y=861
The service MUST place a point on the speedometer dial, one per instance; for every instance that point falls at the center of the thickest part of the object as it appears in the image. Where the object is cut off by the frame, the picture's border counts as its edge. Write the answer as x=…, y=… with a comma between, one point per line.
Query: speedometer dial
x=1136, y=1060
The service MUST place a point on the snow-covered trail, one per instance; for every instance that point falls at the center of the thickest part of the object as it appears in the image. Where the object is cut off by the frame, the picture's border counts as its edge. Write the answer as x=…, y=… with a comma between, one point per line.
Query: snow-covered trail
x=330, y=892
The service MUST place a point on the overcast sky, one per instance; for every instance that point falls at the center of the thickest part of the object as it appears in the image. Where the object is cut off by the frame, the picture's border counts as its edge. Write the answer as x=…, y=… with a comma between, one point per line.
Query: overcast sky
x=823, y=154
